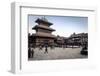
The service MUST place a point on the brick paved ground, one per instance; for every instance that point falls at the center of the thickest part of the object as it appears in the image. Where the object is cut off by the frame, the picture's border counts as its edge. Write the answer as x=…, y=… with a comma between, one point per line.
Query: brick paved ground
x=57, y=53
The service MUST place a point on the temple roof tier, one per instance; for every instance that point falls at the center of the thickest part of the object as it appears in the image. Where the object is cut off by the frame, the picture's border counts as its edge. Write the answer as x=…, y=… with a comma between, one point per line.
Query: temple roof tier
x=44, y=35
x=43, y=21
x=43, y=27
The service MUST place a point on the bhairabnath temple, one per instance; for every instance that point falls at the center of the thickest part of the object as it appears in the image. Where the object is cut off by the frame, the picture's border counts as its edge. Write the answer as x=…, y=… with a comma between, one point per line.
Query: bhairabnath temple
x=43, y=32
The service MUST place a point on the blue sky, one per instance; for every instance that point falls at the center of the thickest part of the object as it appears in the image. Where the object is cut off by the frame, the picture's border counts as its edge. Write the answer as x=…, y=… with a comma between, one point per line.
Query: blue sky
x=64, y=25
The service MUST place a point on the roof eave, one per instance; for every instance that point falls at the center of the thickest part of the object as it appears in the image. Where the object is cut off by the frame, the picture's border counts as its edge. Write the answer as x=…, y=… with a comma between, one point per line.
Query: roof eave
x=39, y=20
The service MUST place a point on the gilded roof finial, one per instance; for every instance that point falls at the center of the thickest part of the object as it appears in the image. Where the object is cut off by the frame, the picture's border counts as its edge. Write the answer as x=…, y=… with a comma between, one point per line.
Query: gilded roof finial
x=43, y=18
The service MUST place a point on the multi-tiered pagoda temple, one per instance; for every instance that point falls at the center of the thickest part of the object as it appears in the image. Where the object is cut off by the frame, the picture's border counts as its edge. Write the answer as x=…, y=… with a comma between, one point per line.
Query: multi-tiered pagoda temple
x=43, y=32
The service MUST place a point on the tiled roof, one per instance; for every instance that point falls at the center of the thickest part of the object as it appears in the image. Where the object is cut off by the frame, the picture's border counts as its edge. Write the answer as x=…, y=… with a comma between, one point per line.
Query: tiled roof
x=79, y=35
x=43, y=27
x=44, y=20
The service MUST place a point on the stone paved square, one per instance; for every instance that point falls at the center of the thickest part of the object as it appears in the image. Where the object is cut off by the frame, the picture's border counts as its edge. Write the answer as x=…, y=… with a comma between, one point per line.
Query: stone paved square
x=57, y=53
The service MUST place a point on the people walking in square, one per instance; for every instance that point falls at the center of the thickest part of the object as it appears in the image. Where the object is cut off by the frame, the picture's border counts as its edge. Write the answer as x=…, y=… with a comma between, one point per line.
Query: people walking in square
x=30, y=52
x=46, y=48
